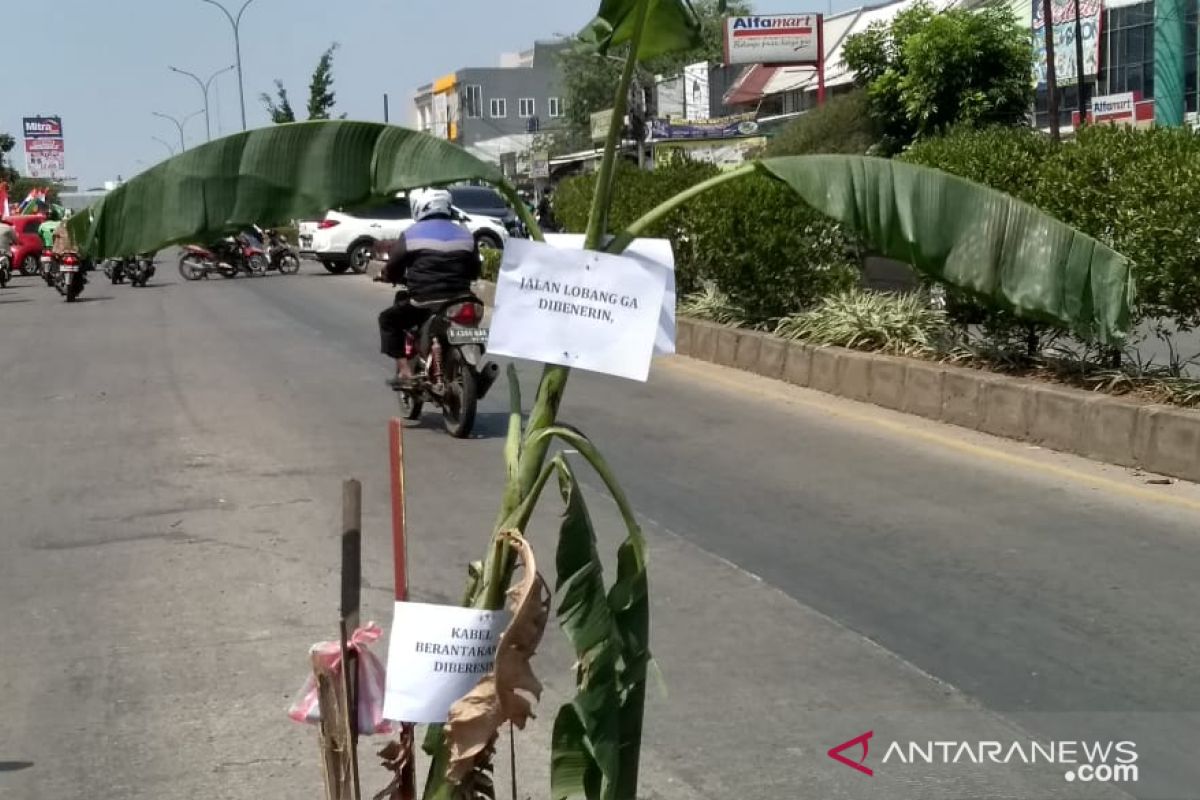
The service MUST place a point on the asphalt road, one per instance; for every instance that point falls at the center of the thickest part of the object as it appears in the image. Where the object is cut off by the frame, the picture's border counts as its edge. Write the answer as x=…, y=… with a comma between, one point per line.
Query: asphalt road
x=170, y=467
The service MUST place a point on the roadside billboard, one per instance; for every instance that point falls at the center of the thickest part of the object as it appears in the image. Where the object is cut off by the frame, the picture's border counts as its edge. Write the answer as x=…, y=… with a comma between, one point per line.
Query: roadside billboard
x=45, y=155
x=774, y=39
x=662, y=130
x=1066, y=73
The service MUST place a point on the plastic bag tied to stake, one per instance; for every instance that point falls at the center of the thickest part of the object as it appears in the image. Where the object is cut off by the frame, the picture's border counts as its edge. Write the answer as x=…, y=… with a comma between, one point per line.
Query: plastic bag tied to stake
x=371, y=682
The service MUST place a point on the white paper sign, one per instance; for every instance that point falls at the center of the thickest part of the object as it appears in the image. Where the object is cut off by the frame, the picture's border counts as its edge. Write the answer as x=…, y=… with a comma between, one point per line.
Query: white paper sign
x=577, y=308
x=653, y=251
x=436, y=655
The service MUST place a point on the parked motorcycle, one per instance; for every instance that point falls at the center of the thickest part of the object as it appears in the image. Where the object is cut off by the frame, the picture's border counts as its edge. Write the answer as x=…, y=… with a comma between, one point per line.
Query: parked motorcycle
x=447, y=357
x=226, y=258
x=70, y=280
x=281, y=255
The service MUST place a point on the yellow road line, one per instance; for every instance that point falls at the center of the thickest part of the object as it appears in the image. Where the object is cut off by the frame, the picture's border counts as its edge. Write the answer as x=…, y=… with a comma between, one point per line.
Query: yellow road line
x=713, y=374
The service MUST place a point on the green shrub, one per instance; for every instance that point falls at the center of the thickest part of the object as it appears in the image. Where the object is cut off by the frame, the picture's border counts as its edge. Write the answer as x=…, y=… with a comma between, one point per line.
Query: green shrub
x=759, y=244
x=842, y=125
x=636, y=191
x=1134, y=190
x=764, y=248
x=868, y=320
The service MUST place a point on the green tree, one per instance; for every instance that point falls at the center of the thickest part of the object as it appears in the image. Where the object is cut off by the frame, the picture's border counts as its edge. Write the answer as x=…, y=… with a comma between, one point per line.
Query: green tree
x=927, y=71
x=8, y=173
x=320, y=89
x=589, y=79
x=280, y=110
x=321, y=97
x=842, y=125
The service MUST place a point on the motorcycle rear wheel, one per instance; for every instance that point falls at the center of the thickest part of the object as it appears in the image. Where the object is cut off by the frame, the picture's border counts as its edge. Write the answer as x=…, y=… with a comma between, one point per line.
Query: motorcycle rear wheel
x=462, y=394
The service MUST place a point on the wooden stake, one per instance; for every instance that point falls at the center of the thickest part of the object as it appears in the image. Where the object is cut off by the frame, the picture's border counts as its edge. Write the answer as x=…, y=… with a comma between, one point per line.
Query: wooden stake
x=399, y=542
x=350, y=607
x=334, y=734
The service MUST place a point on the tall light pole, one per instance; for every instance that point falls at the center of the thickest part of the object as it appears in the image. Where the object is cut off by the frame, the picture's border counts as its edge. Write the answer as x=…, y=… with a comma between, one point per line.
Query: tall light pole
x=235, y=22
x=178, y=124
x=165, y=144
x=203, y=88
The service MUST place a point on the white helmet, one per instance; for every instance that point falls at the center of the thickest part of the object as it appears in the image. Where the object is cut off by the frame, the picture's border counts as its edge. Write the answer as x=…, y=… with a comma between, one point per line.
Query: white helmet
x=429, y=203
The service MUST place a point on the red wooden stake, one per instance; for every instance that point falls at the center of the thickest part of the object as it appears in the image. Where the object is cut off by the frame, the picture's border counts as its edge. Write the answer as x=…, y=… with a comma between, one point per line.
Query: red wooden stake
x=399, y=542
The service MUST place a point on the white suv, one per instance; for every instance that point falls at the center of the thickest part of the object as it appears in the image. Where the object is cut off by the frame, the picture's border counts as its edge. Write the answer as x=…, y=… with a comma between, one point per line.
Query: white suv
x=346, y=240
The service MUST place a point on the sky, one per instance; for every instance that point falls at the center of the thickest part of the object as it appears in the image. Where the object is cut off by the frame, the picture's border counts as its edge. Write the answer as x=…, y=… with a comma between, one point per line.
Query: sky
x=108, y=71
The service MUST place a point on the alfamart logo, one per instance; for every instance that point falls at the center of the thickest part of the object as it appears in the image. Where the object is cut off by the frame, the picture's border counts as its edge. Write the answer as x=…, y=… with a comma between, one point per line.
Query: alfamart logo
x=1095, y=761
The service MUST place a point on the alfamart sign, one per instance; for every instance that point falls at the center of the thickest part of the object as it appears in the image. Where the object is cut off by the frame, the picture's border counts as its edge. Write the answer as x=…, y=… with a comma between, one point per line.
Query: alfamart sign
x=773, y=39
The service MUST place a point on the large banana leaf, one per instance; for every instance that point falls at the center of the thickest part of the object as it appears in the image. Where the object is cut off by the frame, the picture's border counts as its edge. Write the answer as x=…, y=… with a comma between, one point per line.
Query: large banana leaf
x=972, y=237
x=672, y=26
x=269, y=176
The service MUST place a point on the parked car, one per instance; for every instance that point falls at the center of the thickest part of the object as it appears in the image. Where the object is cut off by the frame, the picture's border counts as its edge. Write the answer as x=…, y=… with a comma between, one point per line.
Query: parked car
x=27, y=252
x=484, y=201
x=346, y=239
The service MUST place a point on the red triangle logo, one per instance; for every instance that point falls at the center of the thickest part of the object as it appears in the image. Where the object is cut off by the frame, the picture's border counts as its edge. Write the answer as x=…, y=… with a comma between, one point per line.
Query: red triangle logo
x=862, y=739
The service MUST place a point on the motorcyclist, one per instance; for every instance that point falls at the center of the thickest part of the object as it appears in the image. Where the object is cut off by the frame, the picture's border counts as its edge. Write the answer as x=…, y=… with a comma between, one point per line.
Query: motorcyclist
x=8, y=239
x=437, y=259
x=46, y=231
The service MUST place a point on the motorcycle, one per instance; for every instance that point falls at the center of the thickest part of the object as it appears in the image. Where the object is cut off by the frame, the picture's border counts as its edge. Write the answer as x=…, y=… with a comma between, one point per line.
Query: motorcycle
x=48, y=266
x=138, y=269
x=70, y=280
x=114, y=268
x=141, y=269
x=446, y=352
x=227, y=258
x=281, y=255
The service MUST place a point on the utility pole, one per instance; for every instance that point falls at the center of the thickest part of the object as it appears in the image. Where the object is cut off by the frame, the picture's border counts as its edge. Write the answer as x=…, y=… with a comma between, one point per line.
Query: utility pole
x=203, y=84
x=1080, y=86
x=178, y=124
x=235, y=21
x=1051, y=82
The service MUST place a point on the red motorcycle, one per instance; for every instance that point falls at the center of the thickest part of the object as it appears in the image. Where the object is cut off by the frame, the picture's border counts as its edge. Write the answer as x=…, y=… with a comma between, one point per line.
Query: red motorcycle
x=227, y=258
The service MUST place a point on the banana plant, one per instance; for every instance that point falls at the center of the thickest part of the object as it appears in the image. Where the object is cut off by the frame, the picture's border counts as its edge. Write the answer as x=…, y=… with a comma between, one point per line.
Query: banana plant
x=960, y=233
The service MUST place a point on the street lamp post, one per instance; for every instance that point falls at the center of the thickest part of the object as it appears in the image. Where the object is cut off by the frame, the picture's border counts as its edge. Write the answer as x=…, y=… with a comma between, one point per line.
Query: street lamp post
x=178, y=124
x=203, y=88
x=235, y=21
x=165, y=144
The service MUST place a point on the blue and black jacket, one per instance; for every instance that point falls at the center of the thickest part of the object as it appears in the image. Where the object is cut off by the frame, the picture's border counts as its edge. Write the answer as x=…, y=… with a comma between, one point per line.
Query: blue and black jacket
x=435, y=258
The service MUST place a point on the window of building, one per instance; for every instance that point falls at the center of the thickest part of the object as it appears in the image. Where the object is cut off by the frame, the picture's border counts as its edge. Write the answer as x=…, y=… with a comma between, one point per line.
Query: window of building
x=498, y=108
x=526, y=107
x=555, y=106
x=473, y=101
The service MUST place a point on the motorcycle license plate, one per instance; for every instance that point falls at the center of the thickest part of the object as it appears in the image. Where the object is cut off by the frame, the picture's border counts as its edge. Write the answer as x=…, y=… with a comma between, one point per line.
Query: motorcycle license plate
x=467, y=335
x=69, y=268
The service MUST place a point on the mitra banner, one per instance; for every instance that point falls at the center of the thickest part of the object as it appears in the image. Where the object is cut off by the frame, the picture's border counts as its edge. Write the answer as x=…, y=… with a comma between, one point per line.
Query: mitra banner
x=45, y=155
x=1065, y=70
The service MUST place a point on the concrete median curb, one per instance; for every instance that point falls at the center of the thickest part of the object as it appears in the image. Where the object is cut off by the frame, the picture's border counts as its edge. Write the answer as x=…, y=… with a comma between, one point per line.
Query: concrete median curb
x=1161, y=439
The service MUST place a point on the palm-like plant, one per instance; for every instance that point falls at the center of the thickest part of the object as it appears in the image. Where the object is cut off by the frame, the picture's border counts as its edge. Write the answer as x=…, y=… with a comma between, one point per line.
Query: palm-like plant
x=961, y=233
